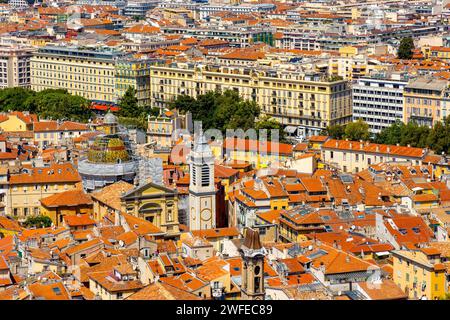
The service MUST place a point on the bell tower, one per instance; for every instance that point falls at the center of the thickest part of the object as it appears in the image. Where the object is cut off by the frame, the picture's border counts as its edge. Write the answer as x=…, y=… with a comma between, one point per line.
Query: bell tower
x=202, y=191
x=252, y=253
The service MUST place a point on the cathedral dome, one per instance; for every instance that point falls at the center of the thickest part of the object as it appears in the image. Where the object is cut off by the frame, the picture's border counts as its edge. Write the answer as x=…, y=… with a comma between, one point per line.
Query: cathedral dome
x=108, y=149
x=110, y=118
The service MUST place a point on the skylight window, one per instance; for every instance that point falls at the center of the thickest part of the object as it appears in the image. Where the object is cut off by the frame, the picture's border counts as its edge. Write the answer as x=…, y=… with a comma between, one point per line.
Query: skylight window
x=57, y=291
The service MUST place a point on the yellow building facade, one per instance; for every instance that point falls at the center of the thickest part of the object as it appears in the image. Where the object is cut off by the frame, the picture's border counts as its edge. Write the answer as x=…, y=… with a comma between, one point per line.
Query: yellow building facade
x=423, y=100
x=154, y=203
x=309, y=101
x=17, y=121
x=69, y=203
x=87, y=73
x=26, y=189
x=419, y=275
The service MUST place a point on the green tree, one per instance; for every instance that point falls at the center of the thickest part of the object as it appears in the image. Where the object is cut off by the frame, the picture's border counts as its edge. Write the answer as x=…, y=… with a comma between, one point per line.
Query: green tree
x=335, y=131
x=128, y=104
x=15, y=99
x=219, y=110
x=59, y=104
x=405, y=50
x=38, y=222
x=269, y=123
x=439, y=137
x=357, y=130
x=391, y=134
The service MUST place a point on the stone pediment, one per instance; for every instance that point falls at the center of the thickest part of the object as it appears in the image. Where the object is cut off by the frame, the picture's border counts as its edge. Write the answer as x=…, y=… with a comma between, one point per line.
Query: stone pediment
x=148, y=190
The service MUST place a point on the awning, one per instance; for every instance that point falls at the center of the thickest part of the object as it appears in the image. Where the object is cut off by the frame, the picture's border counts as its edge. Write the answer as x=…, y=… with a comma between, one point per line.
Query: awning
x=290, y=129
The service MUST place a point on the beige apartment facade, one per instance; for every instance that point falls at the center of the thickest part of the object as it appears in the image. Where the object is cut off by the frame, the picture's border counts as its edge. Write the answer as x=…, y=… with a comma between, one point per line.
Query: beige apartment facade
x=15, y=66
x=355, y=156
x=87, y=73
x=309, y=102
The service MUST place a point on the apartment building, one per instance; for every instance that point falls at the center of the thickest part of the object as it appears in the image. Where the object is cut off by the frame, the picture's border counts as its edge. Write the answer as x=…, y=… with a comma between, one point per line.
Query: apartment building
x=242, y=37
x=138, y=8
x=310, y=102
x=378, y=101
x=423, y=100
x=27, y=188
x=15, y=66
x=133, y=73
x=207, y=10
x=355, y=156
x=420, y=274
x=88, y=73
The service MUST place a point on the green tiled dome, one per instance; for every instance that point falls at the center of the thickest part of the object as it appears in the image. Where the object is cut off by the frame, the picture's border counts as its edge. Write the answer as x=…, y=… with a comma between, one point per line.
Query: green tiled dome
x=108, y=149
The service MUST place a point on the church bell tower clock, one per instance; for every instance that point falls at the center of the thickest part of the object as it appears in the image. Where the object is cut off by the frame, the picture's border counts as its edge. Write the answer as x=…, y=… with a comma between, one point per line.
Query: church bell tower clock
x=202, y=191
x=252, y=253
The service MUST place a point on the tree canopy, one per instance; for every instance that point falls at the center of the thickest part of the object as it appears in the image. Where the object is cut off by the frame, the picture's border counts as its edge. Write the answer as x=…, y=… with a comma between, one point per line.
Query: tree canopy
x=50, y=103
x=436, y=138
x=405, y=50
x=357, y=130
x=269, y=123
x=220, y=111
x=128, y=104
x=38, y=222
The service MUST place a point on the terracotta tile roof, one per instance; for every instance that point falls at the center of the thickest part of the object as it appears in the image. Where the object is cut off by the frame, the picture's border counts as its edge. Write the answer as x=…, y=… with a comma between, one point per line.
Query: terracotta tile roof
x=409, y=230
x=291, y=280
x=71, y=198
x=78, y=220
x=424, y=197
x=271, y=216
x=162, y=291
x=301, y=147
x=386, y=290
x=318, y=138
x=50, y=291
x=185, y=281
x=111, y=284
x=216, y=233
x=14, y=292
x=265, y=147
x=9, y=224
x=72, y=126
x=37, y=233
x=56, y=173
x=142, y=28
x=127, y=238
x=27, y=118
x=336, y=261
x=224, y=172
x=312, y=184
x=212, y=269
x=43, y=126
x=374, y=148
x=83, y=246
x=141, y=226
x=110, y=195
